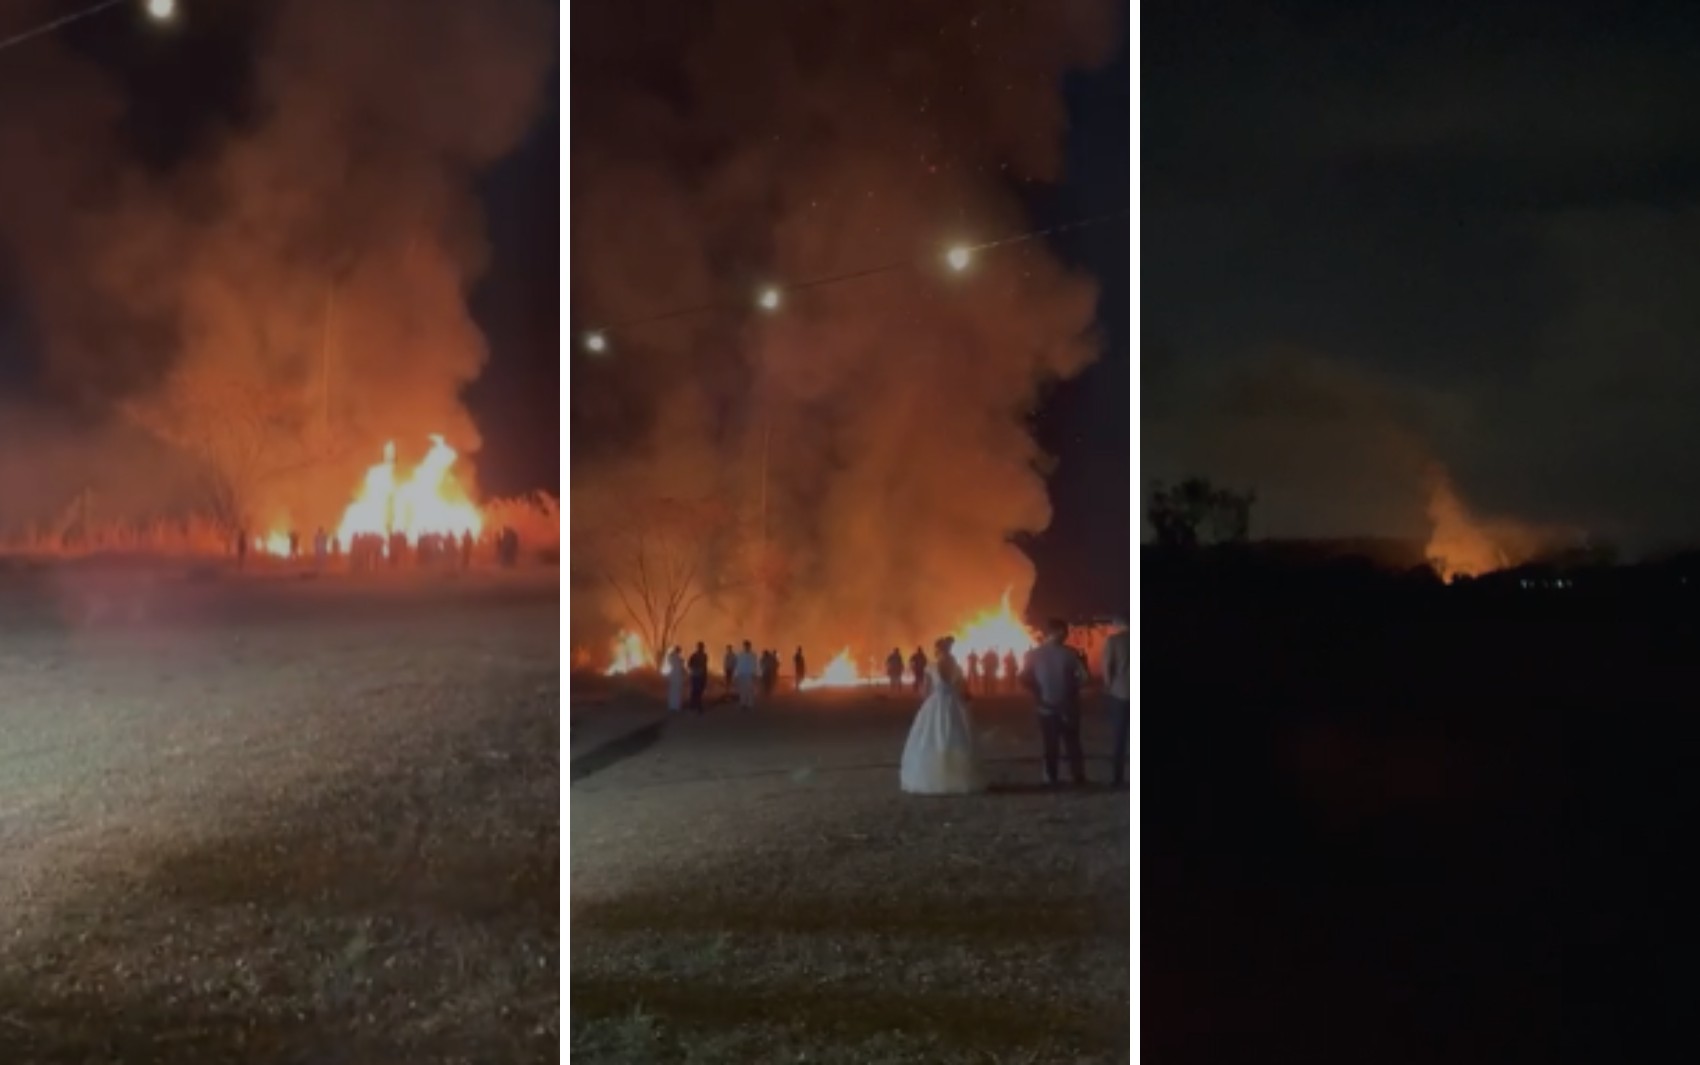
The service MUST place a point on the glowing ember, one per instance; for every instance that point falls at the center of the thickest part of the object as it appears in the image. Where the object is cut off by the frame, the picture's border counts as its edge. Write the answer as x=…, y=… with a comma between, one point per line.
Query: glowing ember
x=629, y=653
x=430, y=501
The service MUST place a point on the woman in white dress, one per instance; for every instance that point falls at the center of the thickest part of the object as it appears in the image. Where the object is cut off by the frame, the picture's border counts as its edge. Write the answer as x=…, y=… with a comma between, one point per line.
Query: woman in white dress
x=675, y=681
x=940, y=757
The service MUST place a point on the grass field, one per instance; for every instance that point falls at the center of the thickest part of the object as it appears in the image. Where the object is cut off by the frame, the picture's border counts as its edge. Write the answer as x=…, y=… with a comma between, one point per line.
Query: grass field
x=278, y=820
x=753, y=887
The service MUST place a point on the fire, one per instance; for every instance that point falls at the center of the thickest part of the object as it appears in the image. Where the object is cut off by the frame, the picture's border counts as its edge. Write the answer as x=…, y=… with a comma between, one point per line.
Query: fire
x=841, y=672
x=275, y=544
x=629, y=653
x=429, y=501
x=995, y=631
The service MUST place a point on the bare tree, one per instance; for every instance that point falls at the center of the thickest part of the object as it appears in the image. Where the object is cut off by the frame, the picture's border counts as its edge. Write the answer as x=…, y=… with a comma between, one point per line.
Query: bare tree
x=1195, y=512
x=244, y=431
x=660, y=558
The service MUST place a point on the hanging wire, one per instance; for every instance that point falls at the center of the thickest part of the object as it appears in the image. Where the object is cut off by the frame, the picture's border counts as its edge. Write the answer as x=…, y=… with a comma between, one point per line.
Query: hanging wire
x=63, y=20
x=596, y=339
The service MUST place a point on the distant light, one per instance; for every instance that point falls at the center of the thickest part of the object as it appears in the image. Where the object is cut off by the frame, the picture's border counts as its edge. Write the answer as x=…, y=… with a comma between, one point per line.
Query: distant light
x=595, y=343
x=768, y=300
x=958, y=258
x=162, y=9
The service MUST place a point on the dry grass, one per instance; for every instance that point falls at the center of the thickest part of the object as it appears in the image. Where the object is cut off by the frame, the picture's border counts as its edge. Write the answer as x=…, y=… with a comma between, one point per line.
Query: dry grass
x=281, y=822
x=185, y=537
x=755, y=888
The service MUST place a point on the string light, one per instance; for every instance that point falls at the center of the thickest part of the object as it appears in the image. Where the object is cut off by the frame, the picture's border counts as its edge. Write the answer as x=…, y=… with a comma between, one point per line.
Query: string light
x=158, y=10
x=958, y=257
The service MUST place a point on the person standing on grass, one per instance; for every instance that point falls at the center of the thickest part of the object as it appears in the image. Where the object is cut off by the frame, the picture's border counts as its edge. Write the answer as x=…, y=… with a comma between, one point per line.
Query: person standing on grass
x=730, y=663
x=1118, y=693
x=675, y=681
x=799, y=665
x=746, y=670
x=699, y=676
x=1054, y=675
x=894, y=670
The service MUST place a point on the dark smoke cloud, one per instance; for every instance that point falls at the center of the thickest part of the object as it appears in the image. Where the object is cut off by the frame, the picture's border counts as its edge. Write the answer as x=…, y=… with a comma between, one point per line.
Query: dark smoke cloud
x=331, y=209
x=746, y=141
x=1327, y=445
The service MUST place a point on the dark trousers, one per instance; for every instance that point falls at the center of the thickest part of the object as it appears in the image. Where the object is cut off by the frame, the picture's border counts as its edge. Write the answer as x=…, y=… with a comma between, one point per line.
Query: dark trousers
x=1064, y=729
x=1119, y=714
x=699, y=681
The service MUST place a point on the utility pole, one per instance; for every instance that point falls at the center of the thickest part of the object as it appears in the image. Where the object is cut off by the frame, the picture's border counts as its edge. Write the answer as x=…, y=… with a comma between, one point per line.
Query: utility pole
x=325, y=365
x=761, y=557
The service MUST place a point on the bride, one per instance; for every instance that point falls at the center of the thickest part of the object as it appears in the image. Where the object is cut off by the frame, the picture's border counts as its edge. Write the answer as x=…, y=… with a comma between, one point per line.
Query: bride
x=940, y=758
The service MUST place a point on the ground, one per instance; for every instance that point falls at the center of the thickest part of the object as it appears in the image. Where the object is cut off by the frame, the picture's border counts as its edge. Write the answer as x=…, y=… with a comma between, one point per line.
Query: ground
x=1414, y=826
x=275, y=819
x=753, y=887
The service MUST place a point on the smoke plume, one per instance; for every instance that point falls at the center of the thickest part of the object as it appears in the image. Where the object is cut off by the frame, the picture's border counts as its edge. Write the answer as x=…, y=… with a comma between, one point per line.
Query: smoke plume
x=277, y=289
x=748, y=142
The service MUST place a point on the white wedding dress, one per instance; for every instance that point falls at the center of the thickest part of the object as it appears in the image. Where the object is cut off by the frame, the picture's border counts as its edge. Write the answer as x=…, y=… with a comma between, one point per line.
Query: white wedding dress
x=940, y=757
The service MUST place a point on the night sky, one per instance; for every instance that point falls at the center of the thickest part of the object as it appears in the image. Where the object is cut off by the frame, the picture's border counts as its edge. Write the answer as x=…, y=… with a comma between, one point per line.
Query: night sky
x=1087, y=422
x=1377, y=238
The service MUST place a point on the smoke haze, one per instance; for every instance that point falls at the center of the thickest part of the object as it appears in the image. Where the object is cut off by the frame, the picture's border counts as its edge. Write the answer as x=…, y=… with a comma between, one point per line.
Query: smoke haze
x=276, y=287
x=748, y=142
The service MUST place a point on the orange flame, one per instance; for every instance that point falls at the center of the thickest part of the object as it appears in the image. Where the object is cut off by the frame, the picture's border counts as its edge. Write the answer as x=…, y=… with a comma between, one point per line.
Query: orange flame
x=993, y=631
x=275, y=544
x=628, y=653
x=997, y=632
x=429, y=501
x=841, y=672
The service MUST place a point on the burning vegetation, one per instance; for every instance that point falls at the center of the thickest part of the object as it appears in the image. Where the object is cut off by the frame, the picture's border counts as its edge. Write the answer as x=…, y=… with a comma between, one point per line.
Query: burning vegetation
x=1462, y=545
x=272, y=291
x=996, y=630
x=851, y=463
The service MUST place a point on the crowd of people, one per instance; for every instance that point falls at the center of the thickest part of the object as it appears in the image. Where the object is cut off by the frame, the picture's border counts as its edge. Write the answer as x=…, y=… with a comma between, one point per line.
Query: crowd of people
x=941, y=756
x=372, y=551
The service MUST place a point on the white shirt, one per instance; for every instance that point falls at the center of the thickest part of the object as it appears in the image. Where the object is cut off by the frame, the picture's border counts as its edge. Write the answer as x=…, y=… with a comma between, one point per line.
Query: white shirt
x=747, y=666
x=1117, y=661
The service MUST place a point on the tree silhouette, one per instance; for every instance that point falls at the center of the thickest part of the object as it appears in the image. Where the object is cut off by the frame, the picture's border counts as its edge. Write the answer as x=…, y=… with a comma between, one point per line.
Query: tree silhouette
x=242, y=430
x=660, y=558
x=1196, y=513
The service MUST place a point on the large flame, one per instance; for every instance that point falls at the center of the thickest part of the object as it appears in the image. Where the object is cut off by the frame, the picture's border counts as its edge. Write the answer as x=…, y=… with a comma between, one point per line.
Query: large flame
x=429, y=501
x=841, y=672
x=628, y=653
x=997, y=632
x=993, y=631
